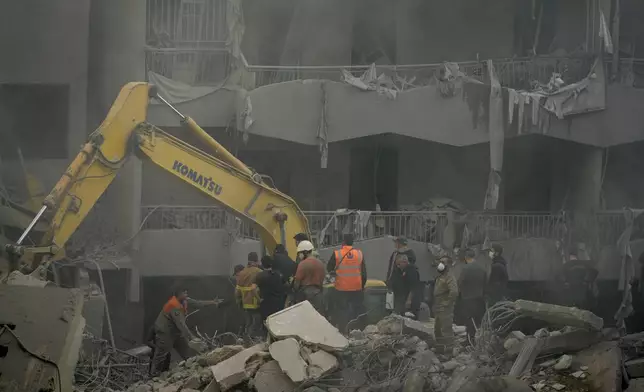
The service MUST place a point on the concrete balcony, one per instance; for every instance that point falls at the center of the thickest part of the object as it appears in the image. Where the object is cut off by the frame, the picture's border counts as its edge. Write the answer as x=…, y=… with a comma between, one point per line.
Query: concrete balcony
x=191, y=240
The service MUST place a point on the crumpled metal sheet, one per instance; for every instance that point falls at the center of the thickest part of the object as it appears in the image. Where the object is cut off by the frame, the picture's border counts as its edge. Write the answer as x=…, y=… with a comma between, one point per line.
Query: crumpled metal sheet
x=370, y=81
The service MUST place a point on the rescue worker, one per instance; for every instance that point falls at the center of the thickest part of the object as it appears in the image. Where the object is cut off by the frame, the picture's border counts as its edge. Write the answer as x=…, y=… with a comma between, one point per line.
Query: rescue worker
x=400, y=247
x=272, y=289
x=238, y=268
x=170, y=331
x=283, y=263
x=299, y=237
x=471, y=283
x=348, y=266
x=444, y=300
x=580, y=278
x=247, y=297
x=406, y=286
x=498, y=280
x=309, y=277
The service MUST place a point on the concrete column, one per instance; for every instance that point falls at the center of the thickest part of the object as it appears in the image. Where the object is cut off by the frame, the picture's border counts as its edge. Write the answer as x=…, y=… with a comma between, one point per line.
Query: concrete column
x=117, y=56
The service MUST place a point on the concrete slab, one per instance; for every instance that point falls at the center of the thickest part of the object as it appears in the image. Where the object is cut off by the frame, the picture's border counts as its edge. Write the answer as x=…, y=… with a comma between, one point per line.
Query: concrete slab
x=302, y=321
x=232, y=371
x=321, y=363
x=287, y=353
x=604, y=362
x=560, y=315
x=49, y=322
x=271, y=378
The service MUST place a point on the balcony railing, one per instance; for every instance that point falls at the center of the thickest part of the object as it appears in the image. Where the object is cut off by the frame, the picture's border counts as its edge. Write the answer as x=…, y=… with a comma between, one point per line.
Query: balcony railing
x=516, y=73
x=328, y=227
x=186, y=23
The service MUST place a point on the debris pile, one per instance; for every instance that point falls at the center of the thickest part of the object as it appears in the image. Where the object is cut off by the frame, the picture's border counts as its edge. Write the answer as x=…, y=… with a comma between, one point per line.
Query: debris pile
x=303, y=352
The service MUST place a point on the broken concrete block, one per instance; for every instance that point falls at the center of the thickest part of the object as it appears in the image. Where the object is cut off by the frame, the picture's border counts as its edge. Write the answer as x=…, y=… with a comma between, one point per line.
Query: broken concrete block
x=541, y=333
x=531, y=347
x=635, y=368
x=370, y=329
x=416, y=328
x=271, y=378
x=321, y=363
x=604, y=362
x=558, y=387
x=390, y=325
x=559, y=315
x=580, y=374
x=219, y=354
x=305, y=323
x=570, y=341
x=564, y=362
x=510, y=343
x=517, y=335
x=232, y=371
x=48, y=320
x=356, y=334
x=287, y=353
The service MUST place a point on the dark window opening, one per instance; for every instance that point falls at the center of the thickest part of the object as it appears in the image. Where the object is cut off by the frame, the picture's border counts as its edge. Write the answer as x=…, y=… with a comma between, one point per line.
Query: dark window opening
x=35, y=119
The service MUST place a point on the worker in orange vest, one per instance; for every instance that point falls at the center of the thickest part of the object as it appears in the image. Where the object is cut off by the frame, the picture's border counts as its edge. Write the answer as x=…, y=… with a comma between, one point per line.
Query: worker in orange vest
x=348, y=266
x=170, y=331
x=247, y=296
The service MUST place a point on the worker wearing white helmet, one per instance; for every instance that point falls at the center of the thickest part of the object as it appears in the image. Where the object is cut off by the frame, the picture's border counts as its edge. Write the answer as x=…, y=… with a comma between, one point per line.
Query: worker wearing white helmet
x=309, y=276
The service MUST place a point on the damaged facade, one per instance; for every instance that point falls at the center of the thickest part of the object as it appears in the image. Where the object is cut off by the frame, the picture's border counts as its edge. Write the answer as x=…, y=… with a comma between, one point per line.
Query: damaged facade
x=388, y=109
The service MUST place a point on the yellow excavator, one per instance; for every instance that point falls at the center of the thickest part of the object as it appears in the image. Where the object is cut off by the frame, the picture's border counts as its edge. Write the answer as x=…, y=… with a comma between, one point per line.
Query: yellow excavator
x=216, y=172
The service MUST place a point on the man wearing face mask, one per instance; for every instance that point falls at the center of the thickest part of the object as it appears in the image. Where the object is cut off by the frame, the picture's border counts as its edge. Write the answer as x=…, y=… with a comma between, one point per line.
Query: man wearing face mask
x=445, y=296
x=498, y=279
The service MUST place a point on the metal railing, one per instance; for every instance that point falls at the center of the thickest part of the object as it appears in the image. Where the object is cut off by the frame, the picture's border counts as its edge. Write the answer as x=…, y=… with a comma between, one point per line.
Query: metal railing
x=186, y=23
x=201, y=67
x=516, y=73
x=328, y=227
x=503, y=226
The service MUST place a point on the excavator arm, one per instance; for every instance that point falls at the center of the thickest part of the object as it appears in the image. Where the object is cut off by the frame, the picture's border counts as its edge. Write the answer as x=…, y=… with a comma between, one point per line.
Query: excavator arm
x=125, y=132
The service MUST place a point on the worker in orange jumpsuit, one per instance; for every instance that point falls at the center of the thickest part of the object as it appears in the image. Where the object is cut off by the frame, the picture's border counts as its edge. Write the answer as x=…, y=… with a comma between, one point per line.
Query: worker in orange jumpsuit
x=170, y=331
x=247, y=296
x=348, y=266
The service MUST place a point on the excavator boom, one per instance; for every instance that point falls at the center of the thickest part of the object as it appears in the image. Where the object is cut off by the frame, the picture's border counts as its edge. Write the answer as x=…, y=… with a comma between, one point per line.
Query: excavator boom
x=217, y=173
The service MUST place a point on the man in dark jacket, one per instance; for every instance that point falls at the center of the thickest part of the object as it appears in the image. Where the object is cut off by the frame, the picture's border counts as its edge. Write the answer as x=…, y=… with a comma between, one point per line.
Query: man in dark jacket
x=498, y=279
x=283, y=263
x=272, y=289
x=471, y=284
x=406, y=286
x=400, y=247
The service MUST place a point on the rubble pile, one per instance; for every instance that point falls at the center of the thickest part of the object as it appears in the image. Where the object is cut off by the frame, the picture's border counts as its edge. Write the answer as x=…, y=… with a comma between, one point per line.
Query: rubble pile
x=304, y=352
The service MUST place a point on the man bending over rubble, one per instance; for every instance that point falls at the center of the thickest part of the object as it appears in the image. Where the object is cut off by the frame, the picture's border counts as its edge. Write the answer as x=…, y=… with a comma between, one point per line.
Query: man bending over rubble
x=171, y=331
x=445, y=296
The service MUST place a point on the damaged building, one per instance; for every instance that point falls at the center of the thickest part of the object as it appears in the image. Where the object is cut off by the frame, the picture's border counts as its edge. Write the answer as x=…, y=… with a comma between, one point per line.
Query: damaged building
x=451, y=123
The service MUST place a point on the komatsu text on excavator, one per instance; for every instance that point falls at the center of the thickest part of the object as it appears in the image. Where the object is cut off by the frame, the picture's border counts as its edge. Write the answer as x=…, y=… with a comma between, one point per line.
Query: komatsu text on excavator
x=215, y=172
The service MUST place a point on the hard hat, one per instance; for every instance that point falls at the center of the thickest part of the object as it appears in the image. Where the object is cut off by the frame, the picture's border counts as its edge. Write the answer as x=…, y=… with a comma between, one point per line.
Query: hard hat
x=304, y=246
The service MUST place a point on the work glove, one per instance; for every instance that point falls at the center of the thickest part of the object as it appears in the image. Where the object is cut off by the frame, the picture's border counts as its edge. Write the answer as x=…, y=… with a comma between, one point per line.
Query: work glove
x=198, y=345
